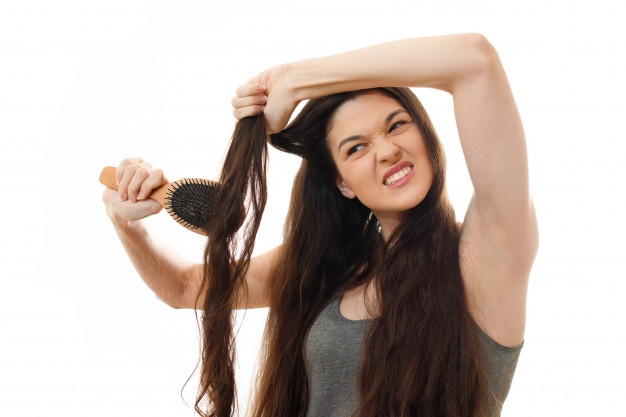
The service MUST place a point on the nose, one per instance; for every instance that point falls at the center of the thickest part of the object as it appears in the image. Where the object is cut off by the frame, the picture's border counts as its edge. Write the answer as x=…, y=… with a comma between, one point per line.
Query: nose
x=388, y=151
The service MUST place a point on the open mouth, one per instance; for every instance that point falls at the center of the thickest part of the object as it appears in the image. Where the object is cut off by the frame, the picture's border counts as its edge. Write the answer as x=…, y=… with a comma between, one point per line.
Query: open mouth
x=398, y=175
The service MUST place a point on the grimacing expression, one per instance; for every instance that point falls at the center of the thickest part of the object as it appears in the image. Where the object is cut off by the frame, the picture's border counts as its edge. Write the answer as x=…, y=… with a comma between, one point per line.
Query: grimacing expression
x=380, y=155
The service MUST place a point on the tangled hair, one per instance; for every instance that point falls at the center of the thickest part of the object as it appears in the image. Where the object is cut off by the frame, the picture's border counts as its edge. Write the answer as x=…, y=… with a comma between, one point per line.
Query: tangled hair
x=240, y=200
x=421, y=356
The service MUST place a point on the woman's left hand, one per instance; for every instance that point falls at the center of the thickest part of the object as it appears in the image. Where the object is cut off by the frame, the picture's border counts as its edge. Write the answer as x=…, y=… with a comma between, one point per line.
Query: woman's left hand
x=272, y=93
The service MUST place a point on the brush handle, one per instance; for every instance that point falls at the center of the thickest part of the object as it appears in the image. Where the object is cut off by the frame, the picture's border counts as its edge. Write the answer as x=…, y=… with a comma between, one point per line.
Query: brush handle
x=107, y=177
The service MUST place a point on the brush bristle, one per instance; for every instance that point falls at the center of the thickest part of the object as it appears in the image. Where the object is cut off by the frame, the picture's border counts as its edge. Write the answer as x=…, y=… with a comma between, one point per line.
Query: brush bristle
x=191, y=202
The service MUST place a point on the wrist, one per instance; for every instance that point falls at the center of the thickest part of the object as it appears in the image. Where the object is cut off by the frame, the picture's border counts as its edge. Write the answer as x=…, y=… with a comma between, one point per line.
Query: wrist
x=322, y=76
x=125, y=226
x=308, y=79
x=133, y=234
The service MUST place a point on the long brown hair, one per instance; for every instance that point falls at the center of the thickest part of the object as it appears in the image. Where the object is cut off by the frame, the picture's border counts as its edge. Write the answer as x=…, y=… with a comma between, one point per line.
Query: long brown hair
x=239, y=201
x=421, y=355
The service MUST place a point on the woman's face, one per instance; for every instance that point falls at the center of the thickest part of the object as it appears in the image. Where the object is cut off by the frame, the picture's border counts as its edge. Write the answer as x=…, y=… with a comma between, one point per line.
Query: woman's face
x=380, y=155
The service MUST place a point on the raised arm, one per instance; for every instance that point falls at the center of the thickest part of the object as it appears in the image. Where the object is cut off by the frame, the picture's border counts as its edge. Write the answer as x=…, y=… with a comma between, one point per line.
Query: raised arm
x=499, y=238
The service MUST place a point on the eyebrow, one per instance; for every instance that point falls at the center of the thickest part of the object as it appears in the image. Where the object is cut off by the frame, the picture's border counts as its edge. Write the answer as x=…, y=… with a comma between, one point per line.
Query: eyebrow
x=356, y=137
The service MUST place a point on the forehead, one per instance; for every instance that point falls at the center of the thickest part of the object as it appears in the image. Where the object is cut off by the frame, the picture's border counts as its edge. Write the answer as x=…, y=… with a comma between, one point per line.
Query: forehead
x=361, y=114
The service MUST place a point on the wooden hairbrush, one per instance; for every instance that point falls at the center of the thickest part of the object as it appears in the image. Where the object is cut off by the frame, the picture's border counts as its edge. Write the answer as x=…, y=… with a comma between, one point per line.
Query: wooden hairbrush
x=190, y=201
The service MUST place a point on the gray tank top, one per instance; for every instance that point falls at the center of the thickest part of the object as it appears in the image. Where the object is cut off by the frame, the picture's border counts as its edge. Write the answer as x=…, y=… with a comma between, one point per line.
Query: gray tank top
x=333, y=351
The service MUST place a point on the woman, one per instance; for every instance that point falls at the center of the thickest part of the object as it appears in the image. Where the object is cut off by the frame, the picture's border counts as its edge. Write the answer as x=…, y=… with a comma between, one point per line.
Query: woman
x=380, y=303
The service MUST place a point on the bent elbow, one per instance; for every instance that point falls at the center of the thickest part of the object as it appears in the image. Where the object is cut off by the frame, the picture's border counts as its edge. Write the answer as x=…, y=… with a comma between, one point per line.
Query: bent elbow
x=480, y=56
x=175, y=301
x=169, y=301
x=484, y=54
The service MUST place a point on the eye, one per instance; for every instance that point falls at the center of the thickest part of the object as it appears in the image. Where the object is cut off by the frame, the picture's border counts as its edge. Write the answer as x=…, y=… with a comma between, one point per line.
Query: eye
x=355, y=149
x=399, y=126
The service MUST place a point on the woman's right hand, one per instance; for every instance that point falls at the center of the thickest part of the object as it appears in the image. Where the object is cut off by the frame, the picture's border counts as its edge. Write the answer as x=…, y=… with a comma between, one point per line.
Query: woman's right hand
x=136, y=180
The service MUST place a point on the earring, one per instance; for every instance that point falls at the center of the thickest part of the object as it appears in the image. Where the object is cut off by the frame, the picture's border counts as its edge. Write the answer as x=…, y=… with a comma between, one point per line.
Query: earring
x=369, y=219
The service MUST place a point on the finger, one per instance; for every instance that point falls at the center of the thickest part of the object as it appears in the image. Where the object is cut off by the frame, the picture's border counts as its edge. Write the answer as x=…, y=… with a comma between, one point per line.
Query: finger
x=239, y=102
x=155, y=180
x=125, y=164
x=248, y=111
x=134, y=185
x=109, y=195
x=250, y=89
x=147, y=208
x=124, y=211
x=126, y=176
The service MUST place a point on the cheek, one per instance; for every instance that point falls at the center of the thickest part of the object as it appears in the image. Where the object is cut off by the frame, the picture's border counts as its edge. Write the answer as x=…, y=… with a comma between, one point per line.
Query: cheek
x=360, y=173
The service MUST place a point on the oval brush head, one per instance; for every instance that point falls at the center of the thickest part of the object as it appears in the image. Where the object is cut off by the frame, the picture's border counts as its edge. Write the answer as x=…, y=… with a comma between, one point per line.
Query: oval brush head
x=190, y=201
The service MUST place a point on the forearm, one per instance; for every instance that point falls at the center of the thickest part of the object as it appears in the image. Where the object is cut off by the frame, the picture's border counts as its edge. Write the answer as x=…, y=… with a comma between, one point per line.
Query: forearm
x=464, y=65
x=438, y=62
x=167, y=274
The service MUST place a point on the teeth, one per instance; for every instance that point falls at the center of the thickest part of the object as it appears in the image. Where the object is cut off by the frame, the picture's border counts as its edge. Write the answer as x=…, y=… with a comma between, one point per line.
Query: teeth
x=395, y=177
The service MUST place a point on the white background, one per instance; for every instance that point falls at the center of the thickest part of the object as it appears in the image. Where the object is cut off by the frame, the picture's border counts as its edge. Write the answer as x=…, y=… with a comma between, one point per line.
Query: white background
x=86, y=83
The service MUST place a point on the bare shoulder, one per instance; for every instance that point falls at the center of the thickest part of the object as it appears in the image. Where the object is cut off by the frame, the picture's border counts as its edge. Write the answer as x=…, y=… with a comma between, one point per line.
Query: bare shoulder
x=496, y=262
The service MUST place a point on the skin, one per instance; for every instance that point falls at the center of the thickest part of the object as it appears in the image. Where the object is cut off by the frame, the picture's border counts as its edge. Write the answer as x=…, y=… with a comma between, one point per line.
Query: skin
x=370, y=138
x=366, y=145
x=499, y=238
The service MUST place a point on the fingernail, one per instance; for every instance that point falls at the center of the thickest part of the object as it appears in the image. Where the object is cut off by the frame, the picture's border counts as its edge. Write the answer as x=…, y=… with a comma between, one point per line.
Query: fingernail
x=261, y=87
x=122, y=197
x=140, y=195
